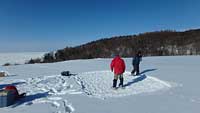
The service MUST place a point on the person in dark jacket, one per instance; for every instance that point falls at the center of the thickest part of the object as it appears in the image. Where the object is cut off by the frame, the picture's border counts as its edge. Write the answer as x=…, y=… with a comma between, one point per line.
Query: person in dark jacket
x=118, y=66
x=136, y=62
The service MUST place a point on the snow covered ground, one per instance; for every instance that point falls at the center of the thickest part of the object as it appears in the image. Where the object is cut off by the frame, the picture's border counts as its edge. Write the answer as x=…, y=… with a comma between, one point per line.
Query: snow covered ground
x=98, y=84
x=165, y=85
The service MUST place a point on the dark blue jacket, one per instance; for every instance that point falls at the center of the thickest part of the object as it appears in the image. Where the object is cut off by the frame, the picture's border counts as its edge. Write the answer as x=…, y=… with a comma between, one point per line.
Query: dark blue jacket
x=136, y=60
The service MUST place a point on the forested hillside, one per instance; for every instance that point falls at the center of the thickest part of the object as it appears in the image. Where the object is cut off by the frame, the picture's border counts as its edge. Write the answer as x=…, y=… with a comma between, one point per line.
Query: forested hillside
x=159, y=43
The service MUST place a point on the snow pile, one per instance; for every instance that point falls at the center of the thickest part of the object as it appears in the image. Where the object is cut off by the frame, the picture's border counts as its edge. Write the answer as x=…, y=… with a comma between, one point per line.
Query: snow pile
x=99, y=83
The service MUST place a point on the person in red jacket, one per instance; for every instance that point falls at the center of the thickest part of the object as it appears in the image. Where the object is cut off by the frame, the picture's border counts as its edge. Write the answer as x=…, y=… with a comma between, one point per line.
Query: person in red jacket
x=16, y=93
x=118, y=66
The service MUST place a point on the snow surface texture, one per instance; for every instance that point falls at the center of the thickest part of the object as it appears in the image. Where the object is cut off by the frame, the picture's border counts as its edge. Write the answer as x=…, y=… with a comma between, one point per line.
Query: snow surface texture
x=99, y=83
x=44, y=90
x=48, y=89
x=165, y=86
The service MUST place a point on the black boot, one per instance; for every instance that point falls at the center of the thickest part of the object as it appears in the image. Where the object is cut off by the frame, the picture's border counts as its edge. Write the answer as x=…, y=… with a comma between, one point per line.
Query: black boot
x=121, y=82
x=114, y=83
x=133, y=72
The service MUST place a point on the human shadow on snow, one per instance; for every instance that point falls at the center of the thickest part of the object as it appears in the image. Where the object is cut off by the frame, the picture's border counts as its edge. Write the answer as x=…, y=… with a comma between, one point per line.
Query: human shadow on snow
x=135, y=80
x=147, y=70
x=140, y=77
x=28, y=99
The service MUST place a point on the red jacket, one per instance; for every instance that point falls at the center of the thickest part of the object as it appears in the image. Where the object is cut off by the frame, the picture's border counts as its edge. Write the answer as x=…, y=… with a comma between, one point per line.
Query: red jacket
x=14, y=89
x=16, y=93
x=118, y=65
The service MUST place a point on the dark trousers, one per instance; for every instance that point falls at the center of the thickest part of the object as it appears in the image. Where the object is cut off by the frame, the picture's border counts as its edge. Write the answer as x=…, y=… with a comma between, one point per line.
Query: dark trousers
x=116, y=78
x=136, y=69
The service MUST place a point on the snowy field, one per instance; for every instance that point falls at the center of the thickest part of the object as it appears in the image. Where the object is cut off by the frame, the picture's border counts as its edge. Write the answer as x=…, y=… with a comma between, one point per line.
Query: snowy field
x=165, y=85
x=18, y=58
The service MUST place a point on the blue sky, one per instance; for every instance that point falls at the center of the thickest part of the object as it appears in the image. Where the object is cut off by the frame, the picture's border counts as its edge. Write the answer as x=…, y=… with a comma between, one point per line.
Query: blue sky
x=47, y=25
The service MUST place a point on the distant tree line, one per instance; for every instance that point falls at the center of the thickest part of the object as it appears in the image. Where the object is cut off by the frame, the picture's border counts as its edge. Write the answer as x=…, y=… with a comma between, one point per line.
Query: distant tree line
x=159, y=43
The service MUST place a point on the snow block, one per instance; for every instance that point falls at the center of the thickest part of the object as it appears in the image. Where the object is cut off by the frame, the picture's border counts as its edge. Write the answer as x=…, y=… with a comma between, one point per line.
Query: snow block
x=7, y=97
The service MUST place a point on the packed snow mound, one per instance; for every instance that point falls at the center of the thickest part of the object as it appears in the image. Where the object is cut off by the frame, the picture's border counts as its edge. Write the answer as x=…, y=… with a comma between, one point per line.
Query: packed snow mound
x=99, y=84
